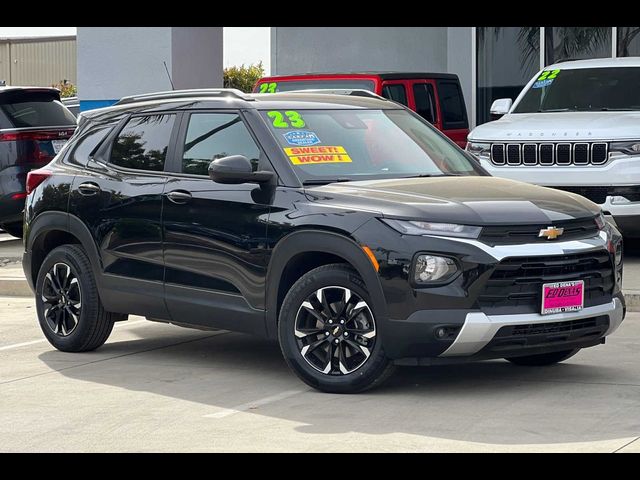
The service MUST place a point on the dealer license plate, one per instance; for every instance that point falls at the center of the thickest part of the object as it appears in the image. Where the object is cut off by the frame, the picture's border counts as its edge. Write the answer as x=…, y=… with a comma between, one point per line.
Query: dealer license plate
x=562, y=297
x=57, y=145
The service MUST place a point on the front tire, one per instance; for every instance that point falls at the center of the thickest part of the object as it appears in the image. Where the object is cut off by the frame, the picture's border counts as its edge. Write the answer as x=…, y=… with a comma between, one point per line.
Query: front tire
x=69, y=309
x=328, y=333
x=543, y=359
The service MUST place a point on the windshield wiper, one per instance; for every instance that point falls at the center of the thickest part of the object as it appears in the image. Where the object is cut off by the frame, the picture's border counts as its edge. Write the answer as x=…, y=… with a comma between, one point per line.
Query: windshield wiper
x=551, y=110
x=325, y=181
x=621, y=109
x=433, y=175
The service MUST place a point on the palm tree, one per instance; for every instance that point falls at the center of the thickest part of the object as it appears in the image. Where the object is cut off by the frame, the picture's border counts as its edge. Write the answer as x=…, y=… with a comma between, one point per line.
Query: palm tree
x=625, y=37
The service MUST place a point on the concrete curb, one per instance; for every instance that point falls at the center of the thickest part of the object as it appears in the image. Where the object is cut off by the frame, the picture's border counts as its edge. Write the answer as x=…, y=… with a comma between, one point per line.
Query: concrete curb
x=18, y=287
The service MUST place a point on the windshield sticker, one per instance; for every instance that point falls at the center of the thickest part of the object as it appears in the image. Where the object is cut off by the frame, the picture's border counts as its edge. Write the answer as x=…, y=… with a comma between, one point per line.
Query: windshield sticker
x=546, y=78
x=316, y=155
x=301, y=138
x=268, y=87
x=293, y=120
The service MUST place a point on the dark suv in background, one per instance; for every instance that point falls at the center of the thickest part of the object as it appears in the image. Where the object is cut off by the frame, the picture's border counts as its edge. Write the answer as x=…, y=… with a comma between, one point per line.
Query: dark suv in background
x=347, y=227
x=34, y=125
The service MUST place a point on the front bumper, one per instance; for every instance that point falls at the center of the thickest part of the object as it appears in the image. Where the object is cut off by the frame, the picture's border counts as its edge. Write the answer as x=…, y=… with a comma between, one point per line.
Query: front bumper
x=480, y=329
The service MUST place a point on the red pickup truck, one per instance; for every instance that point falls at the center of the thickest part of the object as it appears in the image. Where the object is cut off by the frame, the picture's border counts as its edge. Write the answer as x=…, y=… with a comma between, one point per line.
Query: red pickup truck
x=437, y=97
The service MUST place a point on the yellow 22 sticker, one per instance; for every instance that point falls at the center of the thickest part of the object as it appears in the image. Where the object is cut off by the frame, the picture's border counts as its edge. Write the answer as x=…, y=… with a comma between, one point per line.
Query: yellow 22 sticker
x=317, y=155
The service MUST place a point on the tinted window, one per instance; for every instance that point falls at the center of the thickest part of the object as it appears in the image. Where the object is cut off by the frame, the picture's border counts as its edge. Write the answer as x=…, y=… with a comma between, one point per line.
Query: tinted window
x=272, y=87
x=454, y=114
x=584, y=89
x=25, y=109
x=397, y=93
x=215, y=135
x=87, y=144
x=143, y=142
x=425, y=102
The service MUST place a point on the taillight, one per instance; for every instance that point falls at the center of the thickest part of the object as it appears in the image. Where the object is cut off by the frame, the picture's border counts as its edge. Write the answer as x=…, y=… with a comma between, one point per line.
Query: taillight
x=35, y=178
x=36, y=135
x=30, y=148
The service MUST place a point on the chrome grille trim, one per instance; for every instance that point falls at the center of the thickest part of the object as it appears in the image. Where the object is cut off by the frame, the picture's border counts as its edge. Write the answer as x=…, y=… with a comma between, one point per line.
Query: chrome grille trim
x=548, y=154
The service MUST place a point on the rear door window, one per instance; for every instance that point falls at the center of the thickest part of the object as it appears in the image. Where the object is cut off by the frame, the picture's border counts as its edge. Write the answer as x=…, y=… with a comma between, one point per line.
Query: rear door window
x=425, y=101
x=33, y=109
x=454, y=113
x=143, y=143
x=395, y=92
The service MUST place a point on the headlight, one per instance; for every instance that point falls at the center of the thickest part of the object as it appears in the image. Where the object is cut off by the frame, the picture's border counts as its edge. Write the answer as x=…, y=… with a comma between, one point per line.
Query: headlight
x=480, y=150
x=631, y=147
x=416, y=227
x=601, y=222
x=618, y=255
x=432, y=268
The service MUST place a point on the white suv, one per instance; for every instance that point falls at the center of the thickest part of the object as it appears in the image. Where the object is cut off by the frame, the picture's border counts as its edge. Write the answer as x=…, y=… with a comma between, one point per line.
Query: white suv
x=576, y=127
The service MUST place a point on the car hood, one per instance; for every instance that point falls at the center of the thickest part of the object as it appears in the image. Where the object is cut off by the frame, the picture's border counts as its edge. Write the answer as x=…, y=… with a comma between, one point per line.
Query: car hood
x=560, y=126
x=464, y=200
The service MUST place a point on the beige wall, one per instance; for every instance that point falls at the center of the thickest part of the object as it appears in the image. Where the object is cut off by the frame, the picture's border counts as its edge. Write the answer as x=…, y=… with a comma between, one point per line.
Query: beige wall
x=40, y=62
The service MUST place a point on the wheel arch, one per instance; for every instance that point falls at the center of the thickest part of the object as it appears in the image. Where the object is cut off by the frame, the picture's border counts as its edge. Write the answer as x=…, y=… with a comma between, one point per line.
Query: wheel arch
x=330, y=246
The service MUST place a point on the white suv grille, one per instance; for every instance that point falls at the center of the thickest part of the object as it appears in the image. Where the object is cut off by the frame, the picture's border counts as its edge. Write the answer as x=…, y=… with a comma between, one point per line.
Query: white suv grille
x=548, y=154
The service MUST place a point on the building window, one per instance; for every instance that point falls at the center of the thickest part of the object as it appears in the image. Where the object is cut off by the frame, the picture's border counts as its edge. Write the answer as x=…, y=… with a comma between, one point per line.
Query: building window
x=628, y=41
x=507, y=58
x=576, y=43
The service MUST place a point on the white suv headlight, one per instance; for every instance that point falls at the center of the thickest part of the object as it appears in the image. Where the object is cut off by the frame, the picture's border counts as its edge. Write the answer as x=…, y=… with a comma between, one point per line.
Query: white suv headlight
x=480, y=150
x=631, y=147
x=416, y=227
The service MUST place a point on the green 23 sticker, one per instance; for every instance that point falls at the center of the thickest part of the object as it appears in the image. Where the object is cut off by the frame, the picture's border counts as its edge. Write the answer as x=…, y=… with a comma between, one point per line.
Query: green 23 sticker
x=268, y=87
x=293, y=120
x=549, y=74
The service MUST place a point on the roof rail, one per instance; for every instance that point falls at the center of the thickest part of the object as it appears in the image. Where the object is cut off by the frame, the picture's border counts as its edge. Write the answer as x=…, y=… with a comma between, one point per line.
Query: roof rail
x=196, y=92
x=355, y=92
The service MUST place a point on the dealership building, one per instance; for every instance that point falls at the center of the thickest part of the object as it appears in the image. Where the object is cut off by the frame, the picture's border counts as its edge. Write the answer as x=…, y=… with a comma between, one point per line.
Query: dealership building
x=492, y=62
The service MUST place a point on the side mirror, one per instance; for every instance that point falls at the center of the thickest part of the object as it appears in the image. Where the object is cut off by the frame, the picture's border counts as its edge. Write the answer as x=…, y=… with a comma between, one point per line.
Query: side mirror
x=236, y=169
x=501, y=106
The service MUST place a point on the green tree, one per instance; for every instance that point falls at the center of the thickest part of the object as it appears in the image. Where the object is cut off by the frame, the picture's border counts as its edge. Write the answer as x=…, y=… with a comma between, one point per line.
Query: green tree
x=243, y=78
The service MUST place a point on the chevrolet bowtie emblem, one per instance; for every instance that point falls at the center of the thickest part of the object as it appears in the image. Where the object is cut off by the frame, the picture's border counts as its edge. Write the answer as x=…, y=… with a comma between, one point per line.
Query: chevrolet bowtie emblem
x=551, y=232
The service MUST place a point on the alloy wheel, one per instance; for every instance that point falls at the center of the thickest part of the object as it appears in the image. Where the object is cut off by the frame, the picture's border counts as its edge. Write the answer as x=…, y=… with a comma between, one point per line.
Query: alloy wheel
x=335, y=330
x=62, y=299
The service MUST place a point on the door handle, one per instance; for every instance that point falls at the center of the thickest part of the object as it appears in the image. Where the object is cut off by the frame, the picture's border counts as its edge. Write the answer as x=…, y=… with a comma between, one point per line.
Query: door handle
x=179, y=196
x=89, y=188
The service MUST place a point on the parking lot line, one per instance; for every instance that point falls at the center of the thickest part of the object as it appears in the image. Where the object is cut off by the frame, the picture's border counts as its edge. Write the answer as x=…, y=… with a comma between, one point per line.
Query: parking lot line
x=33, y=342
x=227, y=412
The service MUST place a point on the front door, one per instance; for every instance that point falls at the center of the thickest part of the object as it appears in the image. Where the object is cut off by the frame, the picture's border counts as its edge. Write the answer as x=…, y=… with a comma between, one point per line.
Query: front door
x=215, y=234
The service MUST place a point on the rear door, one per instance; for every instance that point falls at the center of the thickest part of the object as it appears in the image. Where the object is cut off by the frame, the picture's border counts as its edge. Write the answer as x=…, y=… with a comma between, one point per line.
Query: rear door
x=453, y=111
x=119, y=199
x=424, y=102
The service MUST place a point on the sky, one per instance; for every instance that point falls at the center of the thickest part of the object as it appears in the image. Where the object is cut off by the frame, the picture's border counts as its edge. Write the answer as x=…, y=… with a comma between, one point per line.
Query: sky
x=242, y=45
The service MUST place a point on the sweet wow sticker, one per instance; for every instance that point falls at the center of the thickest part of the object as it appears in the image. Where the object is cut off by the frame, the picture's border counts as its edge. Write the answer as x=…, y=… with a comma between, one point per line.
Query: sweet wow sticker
x=317, y=155
x=301, y=138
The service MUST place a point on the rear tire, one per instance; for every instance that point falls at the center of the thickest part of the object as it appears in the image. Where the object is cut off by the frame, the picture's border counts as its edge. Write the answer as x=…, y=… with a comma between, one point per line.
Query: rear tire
x=69, y=309
x=13, y=229
x=543, y=359
x=328, y=333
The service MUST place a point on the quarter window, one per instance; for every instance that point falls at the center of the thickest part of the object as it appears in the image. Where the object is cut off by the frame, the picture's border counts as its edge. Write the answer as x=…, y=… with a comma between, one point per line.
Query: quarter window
x=143, y=143
x=215, y=135
x=454, y=114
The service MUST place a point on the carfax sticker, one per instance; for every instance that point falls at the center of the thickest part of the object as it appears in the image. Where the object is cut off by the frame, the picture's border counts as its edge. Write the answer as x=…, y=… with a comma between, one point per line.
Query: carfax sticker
x=301, y=138
x=317, y=155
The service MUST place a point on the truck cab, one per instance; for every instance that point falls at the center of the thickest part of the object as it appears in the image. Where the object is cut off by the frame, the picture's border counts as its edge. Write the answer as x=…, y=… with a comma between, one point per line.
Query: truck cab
x=436, y=97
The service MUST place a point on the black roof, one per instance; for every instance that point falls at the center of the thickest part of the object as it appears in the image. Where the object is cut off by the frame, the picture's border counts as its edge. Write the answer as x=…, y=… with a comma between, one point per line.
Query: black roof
x=386, y=75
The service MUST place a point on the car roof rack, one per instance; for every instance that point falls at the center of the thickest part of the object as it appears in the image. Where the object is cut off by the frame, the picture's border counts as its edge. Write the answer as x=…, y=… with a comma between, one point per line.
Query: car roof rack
x=196, y=92
x=355, y=92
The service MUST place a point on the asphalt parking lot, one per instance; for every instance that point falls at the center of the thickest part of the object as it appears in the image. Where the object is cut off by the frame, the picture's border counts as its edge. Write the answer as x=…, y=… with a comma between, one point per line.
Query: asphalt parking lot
x=156, y=387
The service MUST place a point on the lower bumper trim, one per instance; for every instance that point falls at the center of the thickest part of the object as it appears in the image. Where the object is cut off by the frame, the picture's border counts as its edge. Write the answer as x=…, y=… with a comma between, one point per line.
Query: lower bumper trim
x=479, y=329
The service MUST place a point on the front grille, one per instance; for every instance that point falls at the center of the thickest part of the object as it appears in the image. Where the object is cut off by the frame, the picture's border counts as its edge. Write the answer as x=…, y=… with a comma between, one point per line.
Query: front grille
x=549, y=154
x=515, y=285
x=599, y=194
x=518, y=234
x=583, y=331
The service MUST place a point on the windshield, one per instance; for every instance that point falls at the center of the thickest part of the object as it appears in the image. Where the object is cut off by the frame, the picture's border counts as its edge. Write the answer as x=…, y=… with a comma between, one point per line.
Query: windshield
x=583, y=90
x=342, y=145
x=333, y=84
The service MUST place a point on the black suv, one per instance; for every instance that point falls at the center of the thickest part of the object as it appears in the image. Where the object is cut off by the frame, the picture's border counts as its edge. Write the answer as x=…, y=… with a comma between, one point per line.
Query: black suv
x=34, y=125
x=345, y=226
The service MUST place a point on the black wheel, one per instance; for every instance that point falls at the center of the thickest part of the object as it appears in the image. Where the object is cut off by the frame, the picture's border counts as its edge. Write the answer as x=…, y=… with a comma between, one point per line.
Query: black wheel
x=69, y=308
x=543, y=359
x=13, y=229
x=328, y=333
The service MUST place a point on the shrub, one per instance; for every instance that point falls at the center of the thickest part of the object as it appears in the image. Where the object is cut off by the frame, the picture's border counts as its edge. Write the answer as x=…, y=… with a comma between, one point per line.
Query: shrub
x=243, y=78
x=67, y=89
